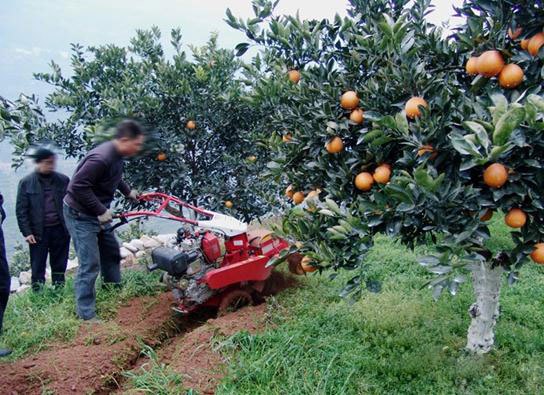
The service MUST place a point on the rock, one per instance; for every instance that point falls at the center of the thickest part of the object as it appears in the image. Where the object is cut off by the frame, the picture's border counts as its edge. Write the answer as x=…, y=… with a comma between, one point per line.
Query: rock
x=166, y=238
x=25, y=277
x=140, y=254
x=72, y=264
x=130, y=247
x=129, y=261
x=150, y=242
x=23, y=288
x=125, y=252
x=14, y=286
x=137, y=243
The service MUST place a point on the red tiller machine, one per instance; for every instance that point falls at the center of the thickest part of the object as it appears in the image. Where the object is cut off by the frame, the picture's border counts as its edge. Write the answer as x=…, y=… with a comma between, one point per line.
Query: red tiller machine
x=214, y=260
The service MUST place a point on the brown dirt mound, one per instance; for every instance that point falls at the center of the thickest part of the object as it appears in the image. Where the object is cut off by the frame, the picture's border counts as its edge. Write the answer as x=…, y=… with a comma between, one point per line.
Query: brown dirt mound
x=98, y=354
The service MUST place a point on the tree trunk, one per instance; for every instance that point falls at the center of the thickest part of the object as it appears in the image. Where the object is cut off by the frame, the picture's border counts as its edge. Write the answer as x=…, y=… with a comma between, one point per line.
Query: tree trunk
x=485, y=311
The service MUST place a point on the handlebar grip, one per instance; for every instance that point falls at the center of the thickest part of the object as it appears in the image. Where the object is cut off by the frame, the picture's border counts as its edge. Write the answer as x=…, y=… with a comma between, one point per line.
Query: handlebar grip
x=152, y=266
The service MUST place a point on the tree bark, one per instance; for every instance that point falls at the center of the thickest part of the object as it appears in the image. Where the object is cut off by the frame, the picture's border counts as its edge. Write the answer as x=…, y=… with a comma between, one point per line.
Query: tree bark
x=485, y=311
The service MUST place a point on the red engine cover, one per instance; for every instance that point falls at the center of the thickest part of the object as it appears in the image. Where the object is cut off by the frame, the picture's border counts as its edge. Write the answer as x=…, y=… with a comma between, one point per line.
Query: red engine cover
x=211, y=247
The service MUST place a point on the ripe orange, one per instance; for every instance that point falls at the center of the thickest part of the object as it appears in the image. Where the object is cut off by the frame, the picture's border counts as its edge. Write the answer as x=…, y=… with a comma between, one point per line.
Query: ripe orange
x=287, y=137
x=524, y=43
x=382, y=174
x=298, y=197
x=313, y=194
x=412, y=109
x=490, y=63
x=471, y=66
x=290, y=191
x=307, y=266
x=349, y=100
x=357, y=116
x=511, y=76
x=535, y=43
x=335, y=145
x=487, y=215
x=191, y=125
x=364, y=181
x=161, y=156
x=294, y=76
x=515, y=218
x=495, y=175
x=427, y=148
x=514, y=34
x=538, y=253
x=228, y=204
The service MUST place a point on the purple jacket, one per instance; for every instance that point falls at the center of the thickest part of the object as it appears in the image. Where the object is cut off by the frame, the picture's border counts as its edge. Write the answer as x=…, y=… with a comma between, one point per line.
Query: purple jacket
x=97, y=177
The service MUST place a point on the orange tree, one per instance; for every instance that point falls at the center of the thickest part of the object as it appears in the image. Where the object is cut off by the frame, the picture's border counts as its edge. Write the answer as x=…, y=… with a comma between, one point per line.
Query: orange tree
x=194, y=105
x=393, y=132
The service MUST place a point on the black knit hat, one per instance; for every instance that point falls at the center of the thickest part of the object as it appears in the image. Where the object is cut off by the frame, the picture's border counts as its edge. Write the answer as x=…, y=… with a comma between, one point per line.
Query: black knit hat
x=41, y=153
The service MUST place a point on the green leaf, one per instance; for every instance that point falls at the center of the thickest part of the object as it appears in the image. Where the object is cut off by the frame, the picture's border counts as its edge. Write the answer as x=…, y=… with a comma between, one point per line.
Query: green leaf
x=506, y=124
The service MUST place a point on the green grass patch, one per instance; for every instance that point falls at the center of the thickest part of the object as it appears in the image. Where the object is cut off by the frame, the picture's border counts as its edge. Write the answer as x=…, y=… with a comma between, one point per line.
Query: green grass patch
x=397, y=341
x=33, y=320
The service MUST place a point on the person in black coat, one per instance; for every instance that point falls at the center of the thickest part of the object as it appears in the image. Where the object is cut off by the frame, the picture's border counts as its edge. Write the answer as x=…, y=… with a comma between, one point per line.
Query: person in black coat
x=41, y=220
x=5, y=279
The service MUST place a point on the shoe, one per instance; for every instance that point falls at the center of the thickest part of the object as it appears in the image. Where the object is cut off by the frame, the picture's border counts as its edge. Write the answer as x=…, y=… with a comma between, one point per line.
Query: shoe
x=92, y=321
x=4, y=352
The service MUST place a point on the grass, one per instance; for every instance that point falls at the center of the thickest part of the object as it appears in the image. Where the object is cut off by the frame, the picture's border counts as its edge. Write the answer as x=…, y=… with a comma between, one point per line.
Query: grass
x=33, y=320
x=397, y=341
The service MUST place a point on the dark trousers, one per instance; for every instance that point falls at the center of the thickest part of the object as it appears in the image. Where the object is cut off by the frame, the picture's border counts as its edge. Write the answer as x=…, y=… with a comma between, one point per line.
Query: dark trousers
x=98, y=252
x=55, y=242
x=5, y=279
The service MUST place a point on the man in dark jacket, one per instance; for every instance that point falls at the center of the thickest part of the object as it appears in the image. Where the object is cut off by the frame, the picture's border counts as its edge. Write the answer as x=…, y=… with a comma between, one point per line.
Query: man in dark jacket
x=5, y=279
x=41, y=220
x=87, y=213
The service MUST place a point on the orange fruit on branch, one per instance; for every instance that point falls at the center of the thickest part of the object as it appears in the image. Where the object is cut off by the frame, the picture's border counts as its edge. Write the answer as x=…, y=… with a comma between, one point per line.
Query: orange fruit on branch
x=514, y=34
x=427, y=148
x=511, y=76
x=349, y=100
x=495, y=175
x=298, y=197
x=382, y=174
x=538, y=253
x=357, y=116
x=364, y=181
x=307, y=266
x=524, y=44
x=335, y=145
x=229, y=204
x=535, y=43
x=515, y=218
x=191, y=125
x=490, y=63
x=471, y=66
x=487, y=215
x=290, y=191
x=294, y=76
x=412, y=107
x=161, y=156
x=287, y=137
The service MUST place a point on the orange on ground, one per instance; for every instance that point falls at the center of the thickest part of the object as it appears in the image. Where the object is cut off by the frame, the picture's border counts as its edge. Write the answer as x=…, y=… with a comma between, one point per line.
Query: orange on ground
x=511, y=76
x=294, y=76
x=191, y=125
x=490, y=63
x=382, y=174
x=495, y=175
x=524, y=43
x=514, y=34
x=515, y=218
x=229, y=204
x=349, y=100
x=290, y=191
x=161, y=156
x=472, y=65
x=287, y=137
x=535, y=43
x=357, y=116
x=412, y=107
x=538, y=253
x=487, y=215
x=335, y=145
x=364, y=181
x=306, y=264
x=298, y=197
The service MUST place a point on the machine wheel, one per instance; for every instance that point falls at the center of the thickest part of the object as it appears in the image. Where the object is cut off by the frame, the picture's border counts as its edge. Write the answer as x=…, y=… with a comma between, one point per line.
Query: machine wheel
x=233, y=301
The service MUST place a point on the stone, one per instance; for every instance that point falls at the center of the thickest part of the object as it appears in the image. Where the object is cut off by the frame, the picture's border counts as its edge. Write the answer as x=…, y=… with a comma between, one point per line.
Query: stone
x=130, y=247
x=72, y=264
x=149, y=242
x=14, y=286
x=25, y=277
x=137, y=243
x=168, y=238
x=129, y=260
x=140, y=254
x=125, y=252
x=23, y=288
